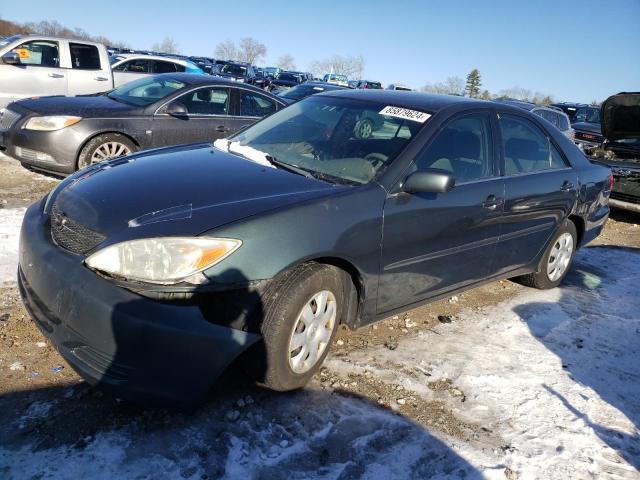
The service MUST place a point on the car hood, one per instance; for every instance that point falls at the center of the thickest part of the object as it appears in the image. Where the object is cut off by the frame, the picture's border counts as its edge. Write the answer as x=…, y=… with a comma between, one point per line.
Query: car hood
x=184, y=190
x=586, y=127
x=621, y=116
x=81, y=106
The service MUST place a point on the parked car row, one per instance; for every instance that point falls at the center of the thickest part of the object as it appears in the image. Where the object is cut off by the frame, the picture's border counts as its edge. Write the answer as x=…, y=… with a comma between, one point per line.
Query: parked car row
x=65, y=134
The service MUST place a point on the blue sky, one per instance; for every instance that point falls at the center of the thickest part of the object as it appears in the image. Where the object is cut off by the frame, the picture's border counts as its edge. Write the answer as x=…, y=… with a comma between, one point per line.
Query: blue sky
x=576, y=50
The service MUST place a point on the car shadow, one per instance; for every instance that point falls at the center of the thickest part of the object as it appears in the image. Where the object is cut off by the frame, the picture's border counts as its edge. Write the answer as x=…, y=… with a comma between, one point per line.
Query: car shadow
x=311, y=433
x=239, y=430
x=625, y=216
x=590, y=331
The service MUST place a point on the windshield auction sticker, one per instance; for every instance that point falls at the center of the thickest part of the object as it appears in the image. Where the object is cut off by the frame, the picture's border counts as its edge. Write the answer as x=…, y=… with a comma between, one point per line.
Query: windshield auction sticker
x=405, y=113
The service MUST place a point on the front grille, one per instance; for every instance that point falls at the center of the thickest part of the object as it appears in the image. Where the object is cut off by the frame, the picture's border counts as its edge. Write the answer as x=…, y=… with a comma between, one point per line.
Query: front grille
x=71, y=235
x=623, y=197
x=7, y=119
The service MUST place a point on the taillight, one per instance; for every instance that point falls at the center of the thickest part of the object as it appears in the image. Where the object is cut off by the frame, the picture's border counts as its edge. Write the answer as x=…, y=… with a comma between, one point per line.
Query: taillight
x=611, y=182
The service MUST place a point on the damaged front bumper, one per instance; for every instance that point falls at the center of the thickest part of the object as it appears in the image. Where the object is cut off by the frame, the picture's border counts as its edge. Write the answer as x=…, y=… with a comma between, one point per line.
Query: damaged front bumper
x=138, y=348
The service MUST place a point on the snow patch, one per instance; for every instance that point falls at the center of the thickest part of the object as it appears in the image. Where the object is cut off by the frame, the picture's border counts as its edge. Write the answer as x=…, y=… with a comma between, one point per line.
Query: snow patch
x=10, y=223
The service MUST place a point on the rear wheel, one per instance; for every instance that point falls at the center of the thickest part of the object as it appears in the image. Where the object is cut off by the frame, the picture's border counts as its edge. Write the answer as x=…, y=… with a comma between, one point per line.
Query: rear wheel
x=103, y=147
x=554, y=264
x=302, y=313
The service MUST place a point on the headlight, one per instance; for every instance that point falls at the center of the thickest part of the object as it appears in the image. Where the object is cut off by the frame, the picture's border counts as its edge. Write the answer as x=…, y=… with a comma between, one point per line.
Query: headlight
x=164, y=260
x=47, y=124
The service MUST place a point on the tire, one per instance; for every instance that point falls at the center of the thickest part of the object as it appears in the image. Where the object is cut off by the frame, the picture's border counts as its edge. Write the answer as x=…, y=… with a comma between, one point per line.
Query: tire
x=364, y=129
x=544, y=277
x=116, y=143
x=285, y=303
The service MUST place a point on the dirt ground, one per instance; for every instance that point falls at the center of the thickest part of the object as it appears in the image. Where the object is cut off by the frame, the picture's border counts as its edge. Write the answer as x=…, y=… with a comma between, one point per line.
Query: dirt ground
x=32, y=371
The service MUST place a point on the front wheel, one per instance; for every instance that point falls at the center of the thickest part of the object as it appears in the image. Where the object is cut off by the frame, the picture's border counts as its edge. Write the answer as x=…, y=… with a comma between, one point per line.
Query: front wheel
x=302, y=313
x=104, y=147
x=554, y=264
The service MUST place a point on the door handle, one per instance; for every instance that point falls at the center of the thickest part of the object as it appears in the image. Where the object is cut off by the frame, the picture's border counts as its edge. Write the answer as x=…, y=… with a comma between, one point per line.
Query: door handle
x=101, y=79
x=56, y=75
x=492, y=202
x=222, y=129
x=566, y=186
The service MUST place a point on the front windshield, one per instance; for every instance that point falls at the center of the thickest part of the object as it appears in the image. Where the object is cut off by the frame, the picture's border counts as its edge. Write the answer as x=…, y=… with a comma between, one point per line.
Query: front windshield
x=234, y=69
x=336, y=139
x=147, y=90
x=591, y=115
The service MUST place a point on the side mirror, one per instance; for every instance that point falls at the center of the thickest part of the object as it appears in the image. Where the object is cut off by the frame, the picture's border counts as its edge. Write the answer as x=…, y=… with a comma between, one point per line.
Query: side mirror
x=176, y=109
x=432, y=180
x=11, y=58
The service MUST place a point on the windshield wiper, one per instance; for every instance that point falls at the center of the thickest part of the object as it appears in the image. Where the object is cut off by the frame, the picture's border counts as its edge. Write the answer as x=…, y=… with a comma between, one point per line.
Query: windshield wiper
x=288, y=166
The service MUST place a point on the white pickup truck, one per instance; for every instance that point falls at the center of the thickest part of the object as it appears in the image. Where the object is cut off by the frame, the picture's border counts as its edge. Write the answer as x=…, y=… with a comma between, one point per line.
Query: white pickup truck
x=34, y=65
x=38, y=66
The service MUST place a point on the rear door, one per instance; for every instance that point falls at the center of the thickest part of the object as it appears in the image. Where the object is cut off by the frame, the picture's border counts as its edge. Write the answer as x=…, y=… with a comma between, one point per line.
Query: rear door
x=433, y=243
x=209, y=117
x=39, y=73
x=87, y=74
x=540, y=190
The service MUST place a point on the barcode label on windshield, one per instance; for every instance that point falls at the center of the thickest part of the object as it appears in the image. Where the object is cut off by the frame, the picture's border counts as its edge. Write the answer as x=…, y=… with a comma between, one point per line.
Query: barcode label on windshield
x=405, y=113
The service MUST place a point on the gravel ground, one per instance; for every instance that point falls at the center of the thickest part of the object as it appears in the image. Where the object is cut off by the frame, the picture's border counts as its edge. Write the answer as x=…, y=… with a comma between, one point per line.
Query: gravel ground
x=52, y=425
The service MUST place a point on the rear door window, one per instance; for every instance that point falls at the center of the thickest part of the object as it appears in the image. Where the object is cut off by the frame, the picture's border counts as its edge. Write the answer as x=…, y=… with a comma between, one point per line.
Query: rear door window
x=563, y=123
x=526, y=148
x=84, y=57
x=39, y=53
x=253, y=104
x=164, y=67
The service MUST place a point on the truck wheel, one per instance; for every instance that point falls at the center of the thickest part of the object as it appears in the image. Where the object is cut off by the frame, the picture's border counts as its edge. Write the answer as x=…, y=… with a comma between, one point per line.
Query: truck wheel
x=103, y=147
x=301, y=317
x=554, y=264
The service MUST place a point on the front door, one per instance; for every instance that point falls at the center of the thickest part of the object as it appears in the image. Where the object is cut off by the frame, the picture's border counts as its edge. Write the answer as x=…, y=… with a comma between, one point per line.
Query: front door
x=38, y=74
x=209, y=117
x=433, y=243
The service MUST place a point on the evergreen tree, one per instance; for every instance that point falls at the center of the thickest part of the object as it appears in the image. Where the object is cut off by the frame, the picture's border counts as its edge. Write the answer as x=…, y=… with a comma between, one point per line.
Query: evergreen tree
x=474, y=82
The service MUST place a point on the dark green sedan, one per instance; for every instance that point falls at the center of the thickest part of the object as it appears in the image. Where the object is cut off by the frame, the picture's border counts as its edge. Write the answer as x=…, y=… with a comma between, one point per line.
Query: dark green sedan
x=151, y=273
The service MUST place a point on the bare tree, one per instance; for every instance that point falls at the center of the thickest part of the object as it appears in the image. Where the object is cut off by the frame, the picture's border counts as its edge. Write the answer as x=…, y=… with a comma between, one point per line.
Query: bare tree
x=286, y=62
x=454, y=86
x=439, y=88
x=451, y=86
x=352, y=66
x=226, y=50
x=251, y=50
x=167, y=45
x=516, y=92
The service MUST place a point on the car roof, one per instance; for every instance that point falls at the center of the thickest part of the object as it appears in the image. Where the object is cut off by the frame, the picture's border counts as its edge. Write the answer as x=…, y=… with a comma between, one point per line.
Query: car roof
x=405, y=99
x=129, y=56
x=196, y=79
